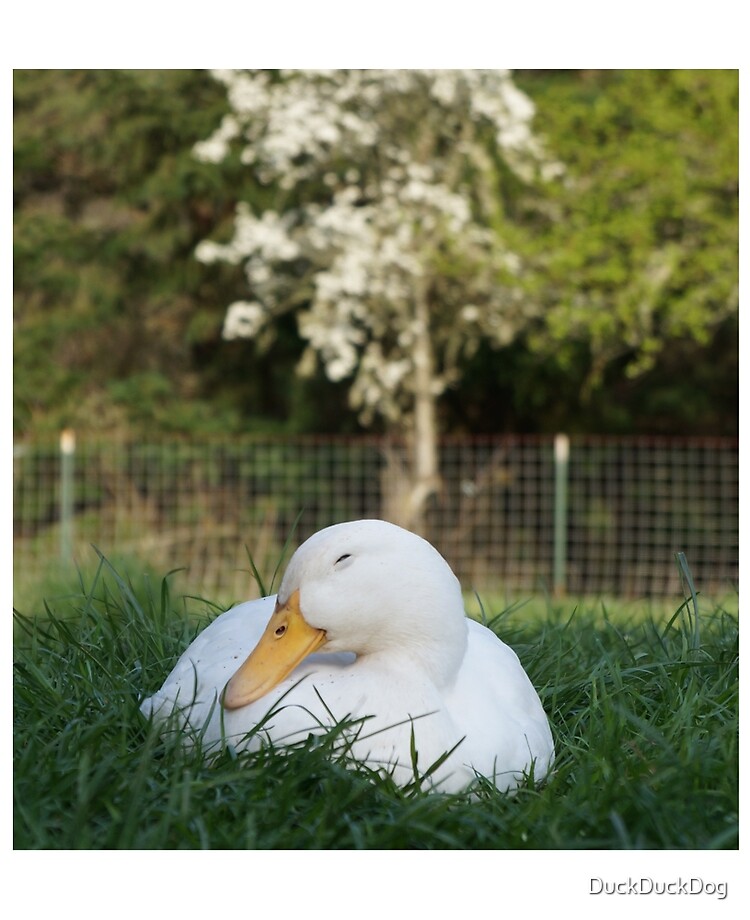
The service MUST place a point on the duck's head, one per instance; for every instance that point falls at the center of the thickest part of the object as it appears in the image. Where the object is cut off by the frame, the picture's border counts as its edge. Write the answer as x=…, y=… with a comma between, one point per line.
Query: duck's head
x=366, y=587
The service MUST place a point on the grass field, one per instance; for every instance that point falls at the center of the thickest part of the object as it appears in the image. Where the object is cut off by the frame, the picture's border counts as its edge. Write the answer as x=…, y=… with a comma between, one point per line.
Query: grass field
x=644, y=710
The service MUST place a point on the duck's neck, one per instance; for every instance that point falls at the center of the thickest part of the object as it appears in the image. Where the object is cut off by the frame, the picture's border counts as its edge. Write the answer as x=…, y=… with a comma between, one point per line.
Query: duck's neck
x=437, y=658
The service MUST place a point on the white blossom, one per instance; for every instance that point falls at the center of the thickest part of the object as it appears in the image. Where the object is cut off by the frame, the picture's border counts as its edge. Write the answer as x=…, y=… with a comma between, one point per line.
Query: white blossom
x=387, y=214
x=207, y=251
x=215, y=149
x=243, y=320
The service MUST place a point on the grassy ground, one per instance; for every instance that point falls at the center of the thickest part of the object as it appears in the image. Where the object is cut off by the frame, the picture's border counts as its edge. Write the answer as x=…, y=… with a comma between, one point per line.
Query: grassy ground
x=644, y=711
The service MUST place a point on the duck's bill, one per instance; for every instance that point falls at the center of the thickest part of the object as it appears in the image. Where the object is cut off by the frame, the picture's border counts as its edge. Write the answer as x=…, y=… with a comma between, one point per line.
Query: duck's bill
x=287, y=640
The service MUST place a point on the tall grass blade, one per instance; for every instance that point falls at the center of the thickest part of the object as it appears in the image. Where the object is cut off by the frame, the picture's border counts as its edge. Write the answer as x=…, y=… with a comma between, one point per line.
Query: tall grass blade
x=285, y=547
x=685, y=573
x=268, y=590
x=256, y=574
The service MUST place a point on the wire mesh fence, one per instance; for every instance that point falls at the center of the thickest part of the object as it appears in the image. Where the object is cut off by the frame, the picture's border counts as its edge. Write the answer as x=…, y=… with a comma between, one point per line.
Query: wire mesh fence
x=510, y=515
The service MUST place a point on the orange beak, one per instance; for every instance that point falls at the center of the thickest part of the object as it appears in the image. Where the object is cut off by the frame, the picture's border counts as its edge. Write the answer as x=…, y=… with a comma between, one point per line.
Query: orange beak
x=286, y=641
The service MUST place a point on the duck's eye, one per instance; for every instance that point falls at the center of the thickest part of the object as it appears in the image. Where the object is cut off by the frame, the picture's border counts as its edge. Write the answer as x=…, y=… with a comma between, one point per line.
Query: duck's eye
x=280, y=631
x=342, y=558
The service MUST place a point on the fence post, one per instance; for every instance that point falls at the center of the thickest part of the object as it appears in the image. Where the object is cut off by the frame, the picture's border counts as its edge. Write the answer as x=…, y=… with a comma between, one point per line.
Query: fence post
x=562, y=453
x=67, y=459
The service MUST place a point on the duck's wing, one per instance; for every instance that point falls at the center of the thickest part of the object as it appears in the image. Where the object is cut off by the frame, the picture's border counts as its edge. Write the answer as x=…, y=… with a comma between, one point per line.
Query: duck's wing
x=496, y=708
x=190, y=693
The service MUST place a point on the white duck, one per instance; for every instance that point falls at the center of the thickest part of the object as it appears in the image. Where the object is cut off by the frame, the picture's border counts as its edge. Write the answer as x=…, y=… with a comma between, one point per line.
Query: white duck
x=368, y=626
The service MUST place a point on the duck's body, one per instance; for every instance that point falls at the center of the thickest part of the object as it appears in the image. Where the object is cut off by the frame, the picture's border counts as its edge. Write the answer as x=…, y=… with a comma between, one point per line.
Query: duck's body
x=397, y=658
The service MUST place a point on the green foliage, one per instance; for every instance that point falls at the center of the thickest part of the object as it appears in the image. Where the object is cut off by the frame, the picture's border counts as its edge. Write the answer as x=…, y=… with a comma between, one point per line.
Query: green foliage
x=109, y=204
x=641, y=248
x=634, y=255
x=645, y=721
x=636, y=263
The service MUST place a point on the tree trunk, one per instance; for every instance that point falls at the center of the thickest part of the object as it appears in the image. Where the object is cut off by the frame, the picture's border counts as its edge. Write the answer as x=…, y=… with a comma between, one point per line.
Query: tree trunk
x=425, y=476
x=409, y=480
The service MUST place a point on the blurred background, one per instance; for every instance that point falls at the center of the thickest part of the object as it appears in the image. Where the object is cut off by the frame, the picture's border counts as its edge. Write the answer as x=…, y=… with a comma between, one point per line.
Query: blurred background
x=500, y=309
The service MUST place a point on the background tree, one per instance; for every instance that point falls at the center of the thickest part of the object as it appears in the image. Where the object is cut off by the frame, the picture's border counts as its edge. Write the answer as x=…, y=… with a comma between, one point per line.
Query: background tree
x=109, y=313
x=639, y=257
x=117, y=328
x=386, y=233
x=635, y=263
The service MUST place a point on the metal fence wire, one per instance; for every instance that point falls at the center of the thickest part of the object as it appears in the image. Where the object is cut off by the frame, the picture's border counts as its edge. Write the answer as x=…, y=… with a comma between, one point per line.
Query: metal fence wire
x=592, y=516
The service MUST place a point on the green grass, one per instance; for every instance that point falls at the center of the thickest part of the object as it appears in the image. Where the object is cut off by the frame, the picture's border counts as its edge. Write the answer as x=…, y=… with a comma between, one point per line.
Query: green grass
x=644, y=711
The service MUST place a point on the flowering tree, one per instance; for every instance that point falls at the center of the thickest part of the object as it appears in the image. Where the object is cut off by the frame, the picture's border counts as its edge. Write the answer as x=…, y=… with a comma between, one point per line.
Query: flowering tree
x=387, y=234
